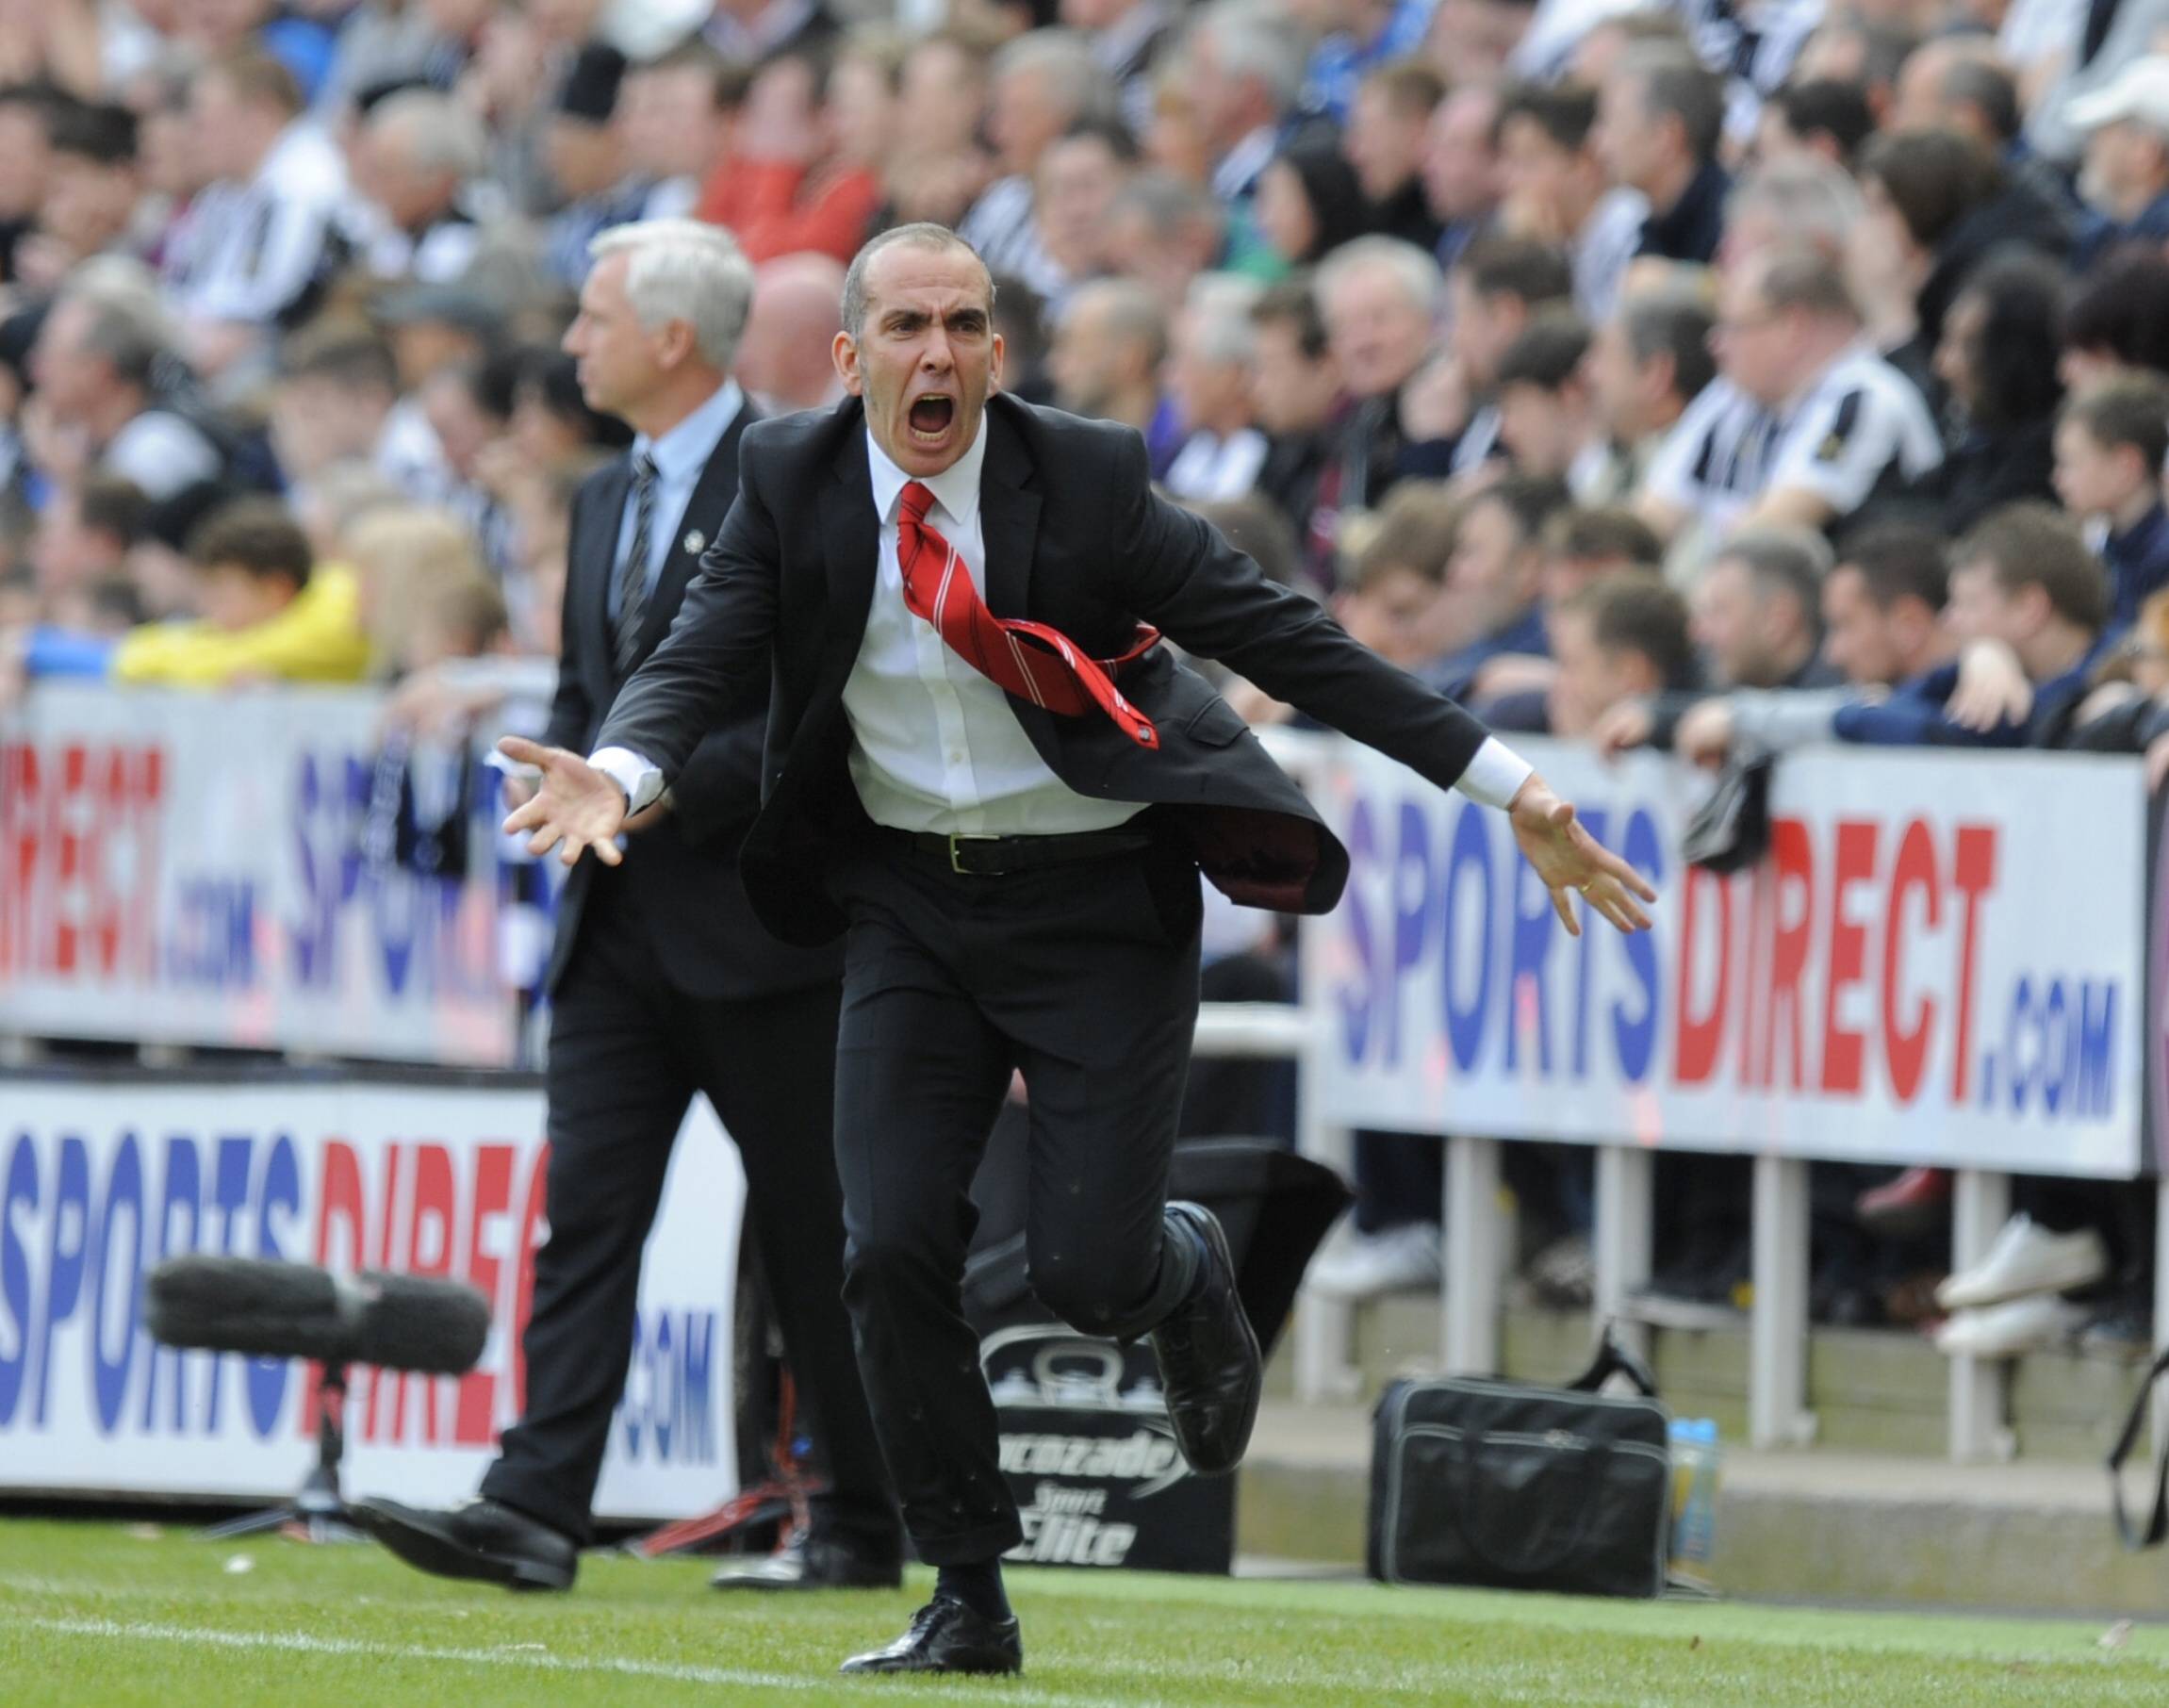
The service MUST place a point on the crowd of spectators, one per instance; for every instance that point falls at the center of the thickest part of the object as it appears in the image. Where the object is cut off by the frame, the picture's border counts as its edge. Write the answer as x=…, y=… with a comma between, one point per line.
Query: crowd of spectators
x=1715, y=375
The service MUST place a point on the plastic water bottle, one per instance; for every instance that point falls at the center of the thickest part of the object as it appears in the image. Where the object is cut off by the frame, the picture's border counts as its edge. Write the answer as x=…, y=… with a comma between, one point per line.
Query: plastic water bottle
x=1695, y=1460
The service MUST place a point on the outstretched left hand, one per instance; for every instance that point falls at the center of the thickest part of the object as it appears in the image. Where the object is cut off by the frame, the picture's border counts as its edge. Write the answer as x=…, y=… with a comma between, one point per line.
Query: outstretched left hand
x=1571, y=860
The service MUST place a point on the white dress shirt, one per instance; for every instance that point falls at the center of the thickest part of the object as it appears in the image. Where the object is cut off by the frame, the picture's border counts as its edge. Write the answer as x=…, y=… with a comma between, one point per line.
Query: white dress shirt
x=977, y=772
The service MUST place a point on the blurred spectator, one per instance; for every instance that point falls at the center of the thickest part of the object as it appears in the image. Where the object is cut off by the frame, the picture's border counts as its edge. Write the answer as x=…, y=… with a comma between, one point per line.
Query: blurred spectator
x=1758, y=610
x=1623, y=637
x=1309, y=202
x=267, y=612
x=417, y=153
x=336, y=401
x=102, y=406
x=1380, y=302
x=1661, y=119
x=2117, y=318
x=1997, y=364
x=2125, y=180
x=1556, y=189
x=1244, y=71
x=552, y=427
x=1806, y=424
x=1646, y=364
x=260, y=240
x=1461, y=179
x=939, y=167
x=25, y=161
x=83, y=538
x=1495, y=577
x=1546, y=419
x=1043, y=83
x=1476, y=41
x=397, y=556
x=1823, y=120
x=1393, y=596
x=1870, y=55
x=589, y=163
x=785, y=359
x=2110, y=444
x=1385, y=142
x=1163, y=232
x=680, y=119
x=1108, y=349
x=1295, y=394
x=1080, y=173
x=1210, y=364
x=93, y=201
x=1498, y=288
x=1588, y=542
x=1936, y=204
x=433, y=327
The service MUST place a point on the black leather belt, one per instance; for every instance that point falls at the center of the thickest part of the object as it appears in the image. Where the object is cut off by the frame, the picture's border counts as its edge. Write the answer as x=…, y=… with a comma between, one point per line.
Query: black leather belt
x=1002, y=856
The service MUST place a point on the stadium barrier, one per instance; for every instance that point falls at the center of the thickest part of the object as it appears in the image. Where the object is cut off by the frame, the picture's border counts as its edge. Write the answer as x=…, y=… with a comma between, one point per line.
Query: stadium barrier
x=1946, y=959
x=1920, y=971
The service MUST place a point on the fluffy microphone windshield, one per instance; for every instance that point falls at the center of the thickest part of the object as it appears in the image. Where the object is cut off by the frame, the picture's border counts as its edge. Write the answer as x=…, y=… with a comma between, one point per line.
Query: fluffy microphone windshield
x=296, y=1310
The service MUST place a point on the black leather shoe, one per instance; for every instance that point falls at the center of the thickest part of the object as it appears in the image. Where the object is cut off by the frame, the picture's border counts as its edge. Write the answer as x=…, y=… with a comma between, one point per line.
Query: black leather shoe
x=1208, y=1360
x=481, y=1540
x=815, y=1563
x=948, y=1636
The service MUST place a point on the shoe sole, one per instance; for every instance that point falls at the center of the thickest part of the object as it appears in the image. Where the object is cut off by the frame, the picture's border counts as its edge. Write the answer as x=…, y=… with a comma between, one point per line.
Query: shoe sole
x=993, y=1667
x=441, y=1557
x=1216, y=1237
x=800, y=1585
x=2052, y=1278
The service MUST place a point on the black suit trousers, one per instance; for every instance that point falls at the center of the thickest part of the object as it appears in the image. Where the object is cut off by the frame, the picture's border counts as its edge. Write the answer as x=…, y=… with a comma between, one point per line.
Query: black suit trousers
x=1085, y=977
x=627, y=1053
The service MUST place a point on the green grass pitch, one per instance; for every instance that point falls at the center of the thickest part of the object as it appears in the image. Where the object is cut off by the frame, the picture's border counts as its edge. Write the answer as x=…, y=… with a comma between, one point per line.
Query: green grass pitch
x=100, y=1616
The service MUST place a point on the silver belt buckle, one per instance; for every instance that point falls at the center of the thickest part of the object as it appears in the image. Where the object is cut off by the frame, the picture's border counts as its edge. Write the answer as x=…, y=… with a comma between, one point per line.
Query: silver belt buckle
x=957, y=837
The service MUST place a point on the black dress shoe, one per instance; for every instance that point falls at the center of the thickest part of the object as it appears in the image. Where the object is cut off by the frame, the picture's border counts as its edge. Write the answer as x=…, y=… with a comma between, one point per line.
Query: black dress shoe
x=813, y=1564
x=481, y=1540
x=948, y=1636
x=1208, y=1360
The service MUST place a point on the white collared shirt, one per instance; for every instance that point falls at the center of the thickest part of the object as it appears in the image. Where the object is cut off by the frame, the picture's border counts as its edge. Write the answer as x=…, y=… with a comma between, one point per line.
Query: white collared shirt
x=935, y=745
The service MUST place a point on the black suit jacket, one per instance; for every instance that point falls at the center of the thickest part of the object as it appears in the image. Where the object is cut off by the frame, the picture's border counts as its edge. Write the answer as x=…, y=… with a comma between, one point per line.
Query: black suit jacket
x=688, y=894
x=1076, y=537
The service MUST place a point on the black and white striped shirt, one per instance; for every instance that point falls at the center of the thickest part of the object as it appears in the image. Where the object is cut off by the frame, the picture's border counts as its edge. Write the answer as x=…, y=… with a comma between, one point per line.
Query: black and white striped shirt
x=1859, y=428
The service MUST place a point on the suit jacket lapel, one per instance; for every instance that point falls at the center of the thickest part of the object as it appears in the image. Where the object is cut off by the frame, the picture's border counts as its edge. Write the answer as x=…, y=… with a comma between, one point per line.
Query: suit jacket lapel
x=1008, y=517
x=703, y=518
x=599, y=547
x=852, y=541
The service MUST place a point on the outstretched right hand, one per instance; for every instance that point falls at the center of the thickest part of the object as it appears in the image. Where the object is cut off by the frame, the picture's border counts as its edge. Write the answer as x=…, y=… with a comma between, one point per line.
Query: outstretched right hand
x=576, y=805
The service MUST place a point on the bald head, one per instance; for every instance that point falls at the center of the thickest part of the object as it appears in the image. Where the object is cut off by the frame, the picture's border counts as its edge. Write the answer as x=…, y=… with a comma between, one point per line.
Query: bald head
x=785, y=357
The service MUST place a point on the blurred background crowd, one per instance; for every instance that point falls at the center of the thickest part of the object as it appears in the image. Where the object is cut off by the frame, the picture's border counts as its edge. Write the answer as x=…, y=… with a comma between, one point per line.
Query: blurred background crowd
x=1711, y=375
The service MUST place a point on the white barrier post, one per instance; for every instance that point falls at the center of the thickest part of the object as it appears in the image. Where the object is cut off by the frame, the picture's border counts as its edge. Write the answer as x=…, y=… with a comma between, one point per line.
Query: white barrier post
x=1777, y=1331
x=1471, y=1233
x=1980, y=1205
x=1622, y=1238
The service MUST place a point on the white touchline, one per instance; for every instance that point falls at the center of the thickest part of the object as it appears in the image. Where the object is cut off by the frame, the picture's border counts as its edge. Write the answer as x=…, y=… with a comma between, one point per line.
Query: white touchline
x=519, y=1655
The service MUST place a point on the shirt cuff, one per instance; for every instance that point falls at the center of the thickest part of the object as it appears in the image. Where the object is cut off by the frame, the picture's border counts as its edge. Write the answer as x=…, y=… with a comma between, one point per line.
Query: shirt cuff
x=1495, y=776
x=641, y=782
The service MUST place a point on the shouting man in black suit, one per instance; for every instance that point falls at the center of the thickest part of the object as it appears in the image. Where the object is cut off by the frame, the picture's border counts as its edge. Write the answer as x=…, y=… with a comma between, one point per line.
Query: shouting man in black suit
x=1008, y=834
x=666, y=984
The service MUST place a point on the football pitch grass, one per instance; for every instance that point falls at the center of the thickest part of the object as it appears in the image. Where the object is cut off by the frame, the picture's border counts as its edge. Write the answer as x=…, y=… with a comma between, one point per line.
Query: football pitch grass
x=105, y=1616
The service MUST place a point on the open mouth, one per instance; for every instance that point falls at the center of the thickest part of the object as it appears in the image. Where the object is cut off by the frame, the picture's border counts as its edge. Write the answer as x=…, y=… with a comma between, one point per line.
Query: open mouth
x=930, y=418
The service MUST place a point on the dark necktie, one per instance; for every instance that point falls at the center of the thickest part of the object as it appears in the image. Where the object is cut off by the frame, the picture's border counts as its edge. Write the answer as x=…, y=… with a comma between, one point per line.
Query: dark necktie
x=1030, y=660
x=633, y=573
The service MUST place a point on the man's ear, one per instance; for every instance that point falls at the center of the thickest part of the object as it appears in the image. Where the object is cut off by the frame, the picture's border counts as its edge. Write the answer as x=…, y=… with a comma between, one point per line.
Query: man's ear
x=845, y=352
x=994, y=354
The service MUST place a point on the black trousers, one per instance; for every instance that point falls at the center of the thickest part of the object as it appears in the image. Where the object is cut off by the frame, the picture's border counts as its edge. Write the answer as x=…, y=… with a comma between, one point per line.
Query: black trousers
x=1085, y=977
x=627, y=1053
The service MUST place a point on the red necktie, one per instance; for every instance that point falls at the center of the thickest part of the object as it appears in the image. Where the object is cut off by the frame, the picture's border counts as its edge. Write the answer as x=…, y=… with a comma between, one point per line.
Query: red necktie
x=1030, y=660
